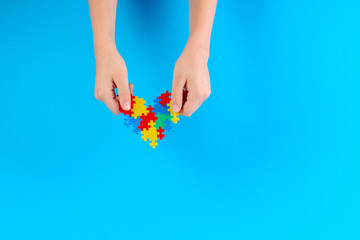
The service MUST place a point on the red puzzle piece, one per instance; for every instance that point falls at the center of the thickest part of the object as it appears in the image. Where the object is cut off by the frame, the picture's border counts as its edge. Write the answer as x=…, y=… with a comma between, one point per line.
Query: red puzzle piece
x=165, y=98
x=161, y=134
x=129, y=112
x=145, y=120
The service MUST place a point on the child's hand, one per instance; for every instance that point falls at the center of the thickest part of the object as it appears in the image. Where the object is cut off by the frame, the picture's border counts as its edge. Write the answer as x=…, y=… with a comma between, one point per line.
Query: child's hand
x=191, y=83
x=191, y=73
x=111, y=73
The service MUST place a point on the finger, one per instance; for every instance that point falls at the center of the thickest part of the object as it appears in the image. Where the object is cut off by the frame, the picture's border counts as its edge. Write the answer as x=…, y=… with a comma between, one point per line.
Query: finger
x=191, y=104
x=177, y=93
x=131, y=86
x=189, y=108
x=124, y=92
x=107, y=95
x=111, y=102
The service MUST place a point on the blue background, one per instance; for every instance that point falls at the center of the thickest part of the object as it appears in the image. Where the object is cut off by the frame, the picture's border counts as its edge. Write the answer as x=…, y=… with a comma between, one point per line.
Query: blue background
x=273, y=153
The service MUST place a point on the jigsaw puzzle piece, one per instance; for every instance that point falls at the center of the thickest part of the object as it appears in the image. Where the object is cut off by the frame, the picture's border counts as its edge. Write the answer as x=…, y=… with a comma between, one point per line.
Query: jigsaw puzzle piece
x=174, y=116
x=167, y=125
x=165, y=98
x=132, y=122
x=150, y=134
x=161, y=134
x=145, y=119
x=128, y=112
x=161, y=118
x=139, y=107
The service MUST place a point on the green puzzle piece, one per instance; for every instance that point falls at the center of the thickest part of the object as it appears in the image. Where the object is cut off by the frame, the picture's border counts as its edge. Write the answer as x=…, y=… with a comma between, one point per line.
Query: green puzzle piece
x=161, y=119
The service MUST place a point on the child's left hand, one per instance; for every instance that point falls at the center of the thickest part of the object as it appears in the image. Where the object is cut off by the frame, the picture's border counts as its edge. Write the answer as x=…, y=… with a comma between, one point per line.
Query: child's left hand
x=191, y=72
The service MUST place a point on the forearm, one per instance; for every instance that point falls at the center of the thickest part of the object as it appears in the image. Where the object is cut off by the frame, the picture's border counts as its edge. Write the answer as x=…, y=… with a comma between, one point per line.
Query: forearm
x=201, y=17
x=103, y=14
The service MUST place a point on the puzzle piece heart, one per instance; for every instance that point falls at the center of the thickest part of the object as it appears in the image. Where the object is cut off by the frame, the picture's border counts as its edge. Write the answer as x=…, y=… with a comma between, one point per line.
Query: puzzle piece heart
x=151, y=122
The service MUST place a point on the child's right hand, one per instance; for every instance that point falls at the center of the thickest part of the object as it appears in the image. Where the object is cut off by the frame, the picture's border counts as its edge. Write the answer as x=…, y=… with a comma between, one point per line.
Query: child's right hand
x=111, y=73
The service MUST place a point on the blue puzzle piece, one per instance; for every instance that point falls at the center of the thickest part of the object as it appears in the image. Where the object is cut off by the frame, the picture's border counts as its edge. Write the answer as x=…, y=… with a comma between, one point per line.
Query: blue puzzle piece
x=168, y=125
x=132, y=122
x=157, y=100
x=126, y=121
x=158, y=108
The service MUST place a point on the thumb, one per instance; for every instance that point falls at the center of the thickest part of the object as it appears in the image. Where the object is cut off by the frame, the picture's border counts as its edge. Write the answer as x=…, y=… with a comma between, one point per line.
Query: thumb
x=124, y=92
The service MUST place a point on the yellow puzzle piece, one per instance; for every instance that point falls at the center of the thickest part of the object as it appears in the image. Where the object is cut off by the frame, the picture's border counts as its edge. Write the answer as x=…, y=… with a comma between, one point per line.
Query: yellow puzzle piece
x=139, y=107
x=150, y=134
x=174, y=116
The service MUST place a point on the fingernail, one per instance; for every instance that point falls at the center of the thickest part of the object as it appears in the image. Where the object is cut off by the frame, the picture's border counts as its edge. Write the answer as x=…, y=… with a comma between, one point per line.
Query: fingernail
x=175, y=108
x=127, y=106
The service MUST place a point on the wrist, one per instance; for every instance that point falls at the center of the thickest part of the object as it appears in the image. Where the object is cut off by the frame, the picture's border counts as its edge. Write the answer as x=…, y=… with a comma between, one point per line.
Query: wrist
x=199, y=47
x=104, y=48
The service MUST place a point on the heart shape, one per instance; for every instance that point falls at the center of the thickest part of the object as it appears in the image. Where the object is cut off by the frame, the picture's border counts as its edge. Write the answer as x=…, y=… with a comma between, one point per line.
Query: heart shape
x=151, y=122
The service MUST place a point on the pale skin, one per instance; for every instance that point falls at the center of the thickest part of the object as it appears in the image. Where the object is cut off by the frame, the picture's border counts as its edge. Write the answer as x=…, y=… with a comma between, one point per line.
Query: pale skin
x=191, y=80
